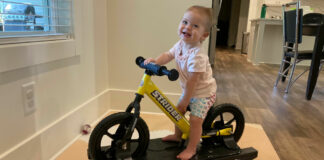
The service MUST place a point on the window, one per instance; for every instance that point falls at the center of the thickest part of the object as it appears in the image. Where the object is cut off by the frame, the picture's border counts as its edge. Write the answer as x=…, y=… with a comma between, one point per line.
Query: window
x=35, y=20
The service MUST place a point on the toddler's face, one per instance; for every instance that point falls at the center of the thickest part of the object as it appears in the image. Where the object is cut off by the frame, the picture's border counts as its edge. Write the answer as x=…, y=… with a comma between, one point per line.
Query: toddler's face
x=192, y=28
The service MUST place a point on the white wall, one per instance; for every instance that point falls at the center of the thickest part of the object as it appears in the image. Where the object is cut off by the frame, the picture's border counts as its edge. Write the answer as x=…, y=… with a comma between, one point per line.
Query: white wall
x=254, y=11
x=234, y=22
x=255, y=8
x=142, y=28
x=317, y=5
x=109, y=35
x=69, y=92
x=243, y=21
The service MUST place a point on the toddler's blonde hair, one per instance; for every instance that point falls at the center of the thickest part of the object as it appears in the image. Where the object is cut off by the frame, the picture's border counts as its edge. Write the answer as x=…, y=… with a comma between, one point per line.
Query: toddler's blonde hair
x=206, y=12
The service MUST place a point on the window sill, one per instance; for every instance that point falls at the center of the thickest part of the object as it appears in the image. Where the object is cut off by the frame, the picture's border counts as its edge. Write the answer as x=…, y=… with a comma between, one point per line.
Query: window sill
x=28, y=38
x=15, y=56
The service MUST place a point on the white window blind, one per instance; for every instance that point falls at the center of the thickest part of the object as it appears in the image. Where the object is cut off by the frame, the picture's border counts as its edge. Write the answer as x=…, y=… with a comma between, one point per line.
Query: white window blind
x=35, y=20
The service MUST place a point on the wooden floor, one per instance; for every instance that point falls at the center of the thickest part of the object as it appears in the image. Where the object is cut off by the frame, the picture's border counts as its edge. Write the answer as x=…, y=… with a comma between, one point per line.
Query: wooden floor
x=294, y=125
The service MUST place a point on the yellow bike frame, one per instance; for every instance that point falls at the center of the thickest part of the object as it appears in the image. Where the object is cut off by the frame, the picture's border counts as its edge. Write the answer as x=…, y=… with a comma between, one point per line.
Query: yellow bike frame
x=151, y=90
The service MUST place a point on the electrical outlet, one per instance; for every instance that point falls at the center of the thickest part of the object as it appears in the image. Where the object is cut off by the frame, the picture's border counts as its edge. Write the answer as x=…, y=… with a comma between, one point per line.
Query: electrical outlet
x=29, y=98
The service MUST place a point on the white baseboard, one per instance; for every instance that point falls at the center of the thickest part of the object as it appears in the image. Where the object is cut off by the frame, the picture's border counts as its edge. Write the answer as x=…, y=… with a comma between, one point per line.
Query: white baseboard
x=52, y=140
x=78, y=136
x=46, y=142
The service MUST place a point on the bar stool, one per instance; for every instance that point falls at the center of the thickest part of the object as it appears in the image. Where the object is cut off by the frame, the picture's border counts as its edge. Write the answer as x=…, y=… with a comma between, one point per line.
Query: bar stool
x=292, y=36
x=294, y=27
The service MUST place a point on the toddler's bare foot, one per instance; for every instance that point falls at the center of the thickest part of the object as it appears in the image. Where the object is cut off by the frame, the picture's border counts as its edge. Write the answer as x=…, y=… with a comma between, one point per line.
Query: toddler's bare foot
x=186, y=154
x=171, y=137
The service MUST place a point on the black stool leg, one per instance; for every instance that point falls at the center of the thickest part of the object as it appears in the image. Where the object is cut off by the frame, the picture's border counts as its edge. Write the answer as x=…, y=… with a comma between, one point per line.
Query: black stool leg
x=288, y=59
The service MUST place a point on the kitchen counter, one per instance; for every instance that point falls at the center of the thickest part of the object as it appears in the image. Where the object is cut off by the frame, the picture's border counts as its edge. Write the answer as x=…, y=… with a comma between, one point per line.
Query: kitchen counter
x=265, y=43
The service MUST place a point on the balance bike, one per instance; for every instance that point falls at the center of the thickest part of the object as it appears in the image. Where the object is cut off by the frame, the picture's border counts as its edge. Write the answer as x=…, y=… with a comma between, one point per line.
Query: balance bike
x=125, y=135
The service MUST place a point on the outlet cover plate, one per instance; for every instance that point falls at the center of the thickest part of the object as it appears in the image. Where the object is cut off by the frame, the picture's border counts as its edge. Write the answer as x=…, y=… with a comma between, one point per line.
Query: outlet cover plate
x=28, y=96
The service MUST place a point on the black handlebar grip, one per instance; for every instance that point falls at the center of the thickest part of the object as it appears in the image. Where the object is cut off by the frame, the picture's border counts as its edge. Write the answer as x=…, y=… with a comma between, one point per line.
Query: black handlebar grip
x=139, y=60
x=157, y=69
x=173, y=74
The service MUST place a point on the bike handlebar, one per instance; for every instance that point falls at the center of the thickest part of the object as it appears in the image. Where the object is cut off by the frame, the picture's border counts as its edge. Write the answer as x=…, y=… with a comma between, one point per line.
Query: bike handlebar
x=157, y=69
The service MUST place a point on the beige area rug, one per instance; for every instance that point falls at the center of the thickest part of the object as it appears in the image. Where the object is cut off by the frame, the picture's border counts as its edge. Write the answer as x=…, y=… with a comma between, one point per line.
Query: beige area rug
x=253, y=136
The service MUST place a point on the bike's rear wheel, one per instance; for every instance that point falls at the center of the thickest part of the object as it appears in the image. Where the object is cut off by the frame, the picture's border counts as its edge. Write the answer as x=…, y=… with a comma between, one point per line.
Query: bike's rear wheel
x=224, y=116
x=111, y=129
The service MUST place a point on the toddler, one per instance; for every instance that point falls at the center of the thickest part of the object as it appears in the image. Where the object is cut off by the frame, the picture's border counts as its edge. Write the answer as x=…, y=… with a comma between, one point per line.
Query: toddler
x=197, y=83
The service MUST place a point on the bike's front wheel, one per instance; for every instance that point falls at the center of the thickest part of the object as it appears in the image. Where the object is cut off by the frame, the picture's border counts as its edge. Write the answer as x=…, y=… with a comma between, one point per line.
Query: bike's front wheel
x=106, y=134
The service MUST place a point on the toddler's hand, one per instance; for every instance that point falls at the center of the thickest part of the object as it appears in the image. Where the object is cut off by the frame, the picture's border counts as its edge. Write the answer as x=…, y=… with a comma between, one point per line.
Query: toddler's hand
x=182, y=107
x=149, y=60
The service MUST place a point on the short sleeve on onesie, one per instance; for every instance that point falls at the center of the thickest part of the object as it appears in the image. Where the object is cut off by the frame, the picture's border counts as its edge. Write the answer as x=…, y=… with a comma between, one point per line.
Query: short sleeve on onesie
x=174, y=50
x=197, y=61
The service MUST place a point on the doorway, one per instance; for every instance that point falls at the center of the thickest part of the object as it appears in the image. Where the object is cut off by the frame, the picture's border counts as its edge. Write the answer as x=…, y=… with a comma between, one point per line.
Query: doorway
x=232, y=22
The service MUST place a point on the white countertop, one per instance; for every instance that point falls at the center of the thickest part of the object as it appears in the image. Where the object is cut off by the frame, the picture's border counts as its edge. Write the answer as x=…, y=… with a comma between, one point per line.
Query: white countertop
x=265, y=41
x=267, y=21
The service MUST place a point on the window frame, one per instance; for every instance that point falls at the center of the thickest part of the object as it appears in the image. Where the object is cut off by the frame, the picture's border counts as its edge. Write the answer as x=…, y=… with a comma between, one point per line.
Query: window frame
x=18, y=52
x=28, y=37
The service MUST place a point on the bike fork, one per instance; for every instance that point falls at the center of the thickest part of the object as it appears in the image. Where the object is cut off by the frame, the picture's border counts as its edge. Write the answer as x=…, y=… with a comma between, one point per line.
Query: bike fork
x=127, y=129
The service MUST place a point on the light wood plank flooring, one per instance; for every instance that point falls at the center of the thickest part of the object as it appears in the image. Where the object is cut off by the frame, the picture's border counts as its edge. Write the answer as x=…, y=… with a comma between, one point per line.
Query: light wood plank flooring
x=294, y=125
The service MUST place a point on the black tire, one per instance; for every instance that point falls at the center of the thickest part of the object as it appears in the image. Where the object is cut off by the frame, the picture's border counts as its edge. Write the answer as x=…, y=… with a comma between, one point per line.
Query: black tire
x=223, y=115
x=97, y=151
